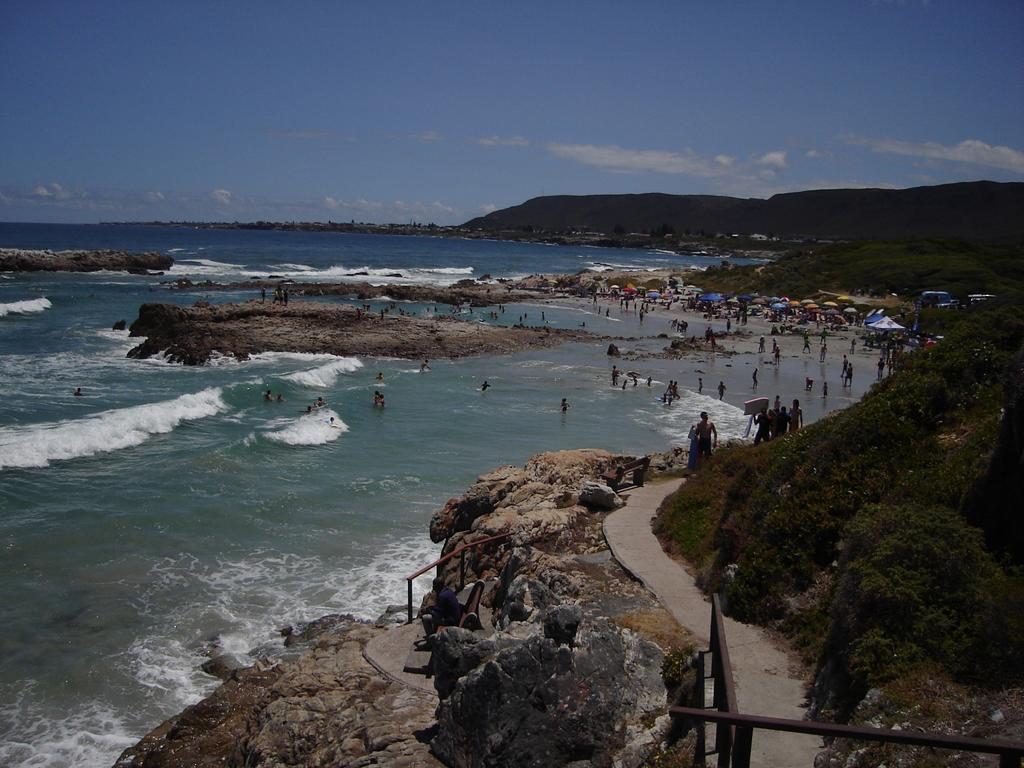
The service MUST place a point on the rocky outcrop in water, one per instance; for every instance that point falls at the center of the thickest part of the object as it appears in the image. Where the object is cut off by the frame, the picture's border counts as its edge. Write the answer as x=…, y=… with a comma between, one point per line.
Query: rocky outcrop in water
x=192, y=335
x=18, y=260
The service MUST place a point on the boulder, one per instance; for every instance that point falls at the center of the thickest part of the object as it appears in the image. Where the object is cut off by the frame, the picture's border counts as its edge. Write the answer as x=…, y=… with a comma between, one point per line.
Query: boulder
x=537, y=703
x=599, y=496
x=561, y=623
x=120, y=325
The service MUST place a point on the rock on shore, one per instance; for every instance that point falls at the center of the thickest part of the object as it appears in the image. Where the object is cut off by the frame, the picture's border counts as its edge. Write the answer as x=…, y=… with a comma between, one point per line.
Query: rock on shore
x=18, y=260
x=569, y=671
x=191, y=335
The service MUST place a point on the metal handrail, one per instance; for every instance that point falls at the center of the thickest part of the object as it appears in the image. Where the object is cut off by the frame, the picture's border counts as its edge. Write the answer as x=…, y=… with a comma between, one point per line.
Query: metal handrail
x=461, y=551
x=734, y=731
x=1007, y=749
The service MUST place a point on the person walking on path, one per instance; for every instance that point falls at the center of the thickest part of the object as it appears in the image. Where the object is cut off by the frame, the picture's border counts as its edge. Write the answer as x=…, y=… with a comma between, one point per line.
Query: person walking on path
x=824, y=351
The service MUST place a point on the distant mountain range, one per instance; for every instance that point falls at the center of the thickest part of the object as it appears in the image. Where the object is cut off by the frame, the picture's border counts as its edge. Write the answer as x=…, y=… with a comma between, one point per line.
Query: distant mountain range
x=978, y=210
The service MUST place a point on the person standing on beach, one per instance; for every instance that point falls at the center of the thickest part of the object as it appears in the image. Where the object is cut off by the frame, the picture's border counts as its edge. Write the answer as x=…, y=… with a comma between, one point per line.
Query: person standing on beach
x=707, y=438
x=778, y=354
x=853, y=344
x=760, y=345
x=881, y=367
x=700, y=385
x=721, y=390
x=263, y=295
x=755, y=378
x=807, y=342
x=824, y=351
x=764, y=426
x=849, y=375
x=796, y=416
x=615, y=375
x=824, y=389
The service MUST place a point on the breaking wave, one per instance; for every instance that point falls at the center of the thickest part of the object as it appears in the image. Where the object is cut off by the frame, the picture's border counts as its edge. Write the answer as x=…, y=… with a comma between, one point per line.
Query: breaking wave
x=316, y=428
x=25, y=307
x=36, y=445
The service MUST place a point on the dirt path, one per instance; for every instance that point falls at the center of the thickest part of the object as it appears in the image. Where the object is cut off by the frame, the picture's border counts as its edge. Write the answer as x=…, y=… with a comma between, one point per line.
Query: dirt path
x=764, y=684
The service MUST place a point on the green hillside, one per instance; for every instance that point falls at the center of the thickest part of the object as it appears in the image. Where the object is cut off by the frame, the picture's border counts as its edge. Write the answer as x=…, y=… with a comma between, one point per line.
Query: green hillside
x=880, y=268
x=878, y=539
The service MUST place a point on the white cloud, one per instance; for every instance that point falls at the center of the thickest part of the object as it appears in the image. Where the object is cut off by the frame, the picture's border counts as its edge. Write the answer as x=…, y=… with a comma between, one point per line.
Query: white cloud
x=488, y=208
x=816, y=154
x=970, y=151
x=154, y=197
x=331, y=203
x=51, y=190
x=503, y=141
x=428, y=137
x=221, y=196
x=41, y=191
x=623, y=160
x=775, y=160
x=725, y=160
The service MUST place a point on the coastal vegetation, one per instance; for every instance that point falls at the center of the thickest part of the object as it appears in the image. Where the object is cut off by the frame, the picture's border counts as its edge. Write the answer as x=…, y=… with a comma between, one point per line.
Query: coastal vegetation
x=882, y=540
x=881, y=268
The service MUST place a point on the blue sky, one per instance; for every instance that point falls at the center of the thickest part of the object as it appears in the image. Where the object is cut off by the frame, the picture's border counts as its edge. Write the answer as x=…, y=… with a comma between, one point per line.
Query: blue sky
x=441, y=111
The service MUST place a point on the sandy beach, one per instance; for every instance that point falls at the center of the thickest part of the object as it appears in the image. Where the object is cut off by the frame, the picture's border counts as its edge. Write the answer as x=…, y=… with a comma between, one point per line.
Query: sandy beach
x=735, y=357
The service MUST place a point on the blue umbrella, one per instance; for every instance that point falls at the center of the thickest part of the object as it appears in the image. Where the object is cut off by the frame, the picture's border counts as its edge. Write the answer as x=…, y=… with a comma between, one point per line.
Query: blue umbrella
x=780, y=305
x=745, y=297
x=712, y=297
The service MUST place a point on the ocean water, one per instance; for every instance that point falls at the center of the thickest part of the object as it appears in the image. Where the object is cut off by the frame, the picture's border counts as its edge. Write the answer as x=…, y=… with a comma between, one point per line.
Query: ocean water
x=170, y=508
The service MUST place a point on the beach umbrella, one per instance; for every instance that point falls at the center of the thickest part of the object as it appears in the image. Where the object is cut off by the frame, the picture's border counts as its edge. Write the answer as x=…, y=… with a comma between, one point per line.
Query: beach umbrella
x=843, y=298
x=613, y=286
x=812, y=305
x=695, y=288
x=806, y=301
x=850, y=311
x=733, y=300
x=780, y=305
x=745, y=297
x=760, y=300
x=653, y=295
x=712, y=297
x=794, y=303
x=829, y=304
x=831, y=311
x=629, y=289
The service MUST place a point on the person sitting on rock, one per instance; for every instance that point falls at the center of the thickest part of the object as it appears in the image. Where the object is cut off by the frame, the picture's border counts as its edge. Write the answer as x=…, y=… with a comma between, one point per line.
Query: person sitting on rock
x=445, y=612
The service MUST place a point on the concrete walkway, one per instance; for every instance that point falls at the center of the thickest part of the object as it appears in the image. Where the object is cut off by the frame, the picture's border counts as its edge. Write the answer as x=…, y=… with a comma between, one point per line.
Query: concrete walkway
x=764, y=685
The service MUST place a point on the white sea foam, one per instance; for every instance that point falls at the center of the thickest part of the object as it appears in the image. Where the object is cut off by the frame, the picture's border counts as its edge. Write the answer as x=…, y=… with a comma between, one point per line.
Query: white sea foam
x=675, y=420
x=325, y=375
x=311, y=429
x=374, y=276
x=175, y=250
x=206, y=267
x=36, y=445
x=25, y=307
x=91, y=734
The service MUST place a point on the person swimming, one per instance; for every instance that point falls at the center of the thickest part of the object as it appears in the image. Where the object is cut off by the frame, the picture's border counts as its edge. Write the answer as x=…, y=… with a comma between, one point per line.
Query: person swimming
x=378, y=399
x=485, y=386
x=78, y=392
x=380, y=376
